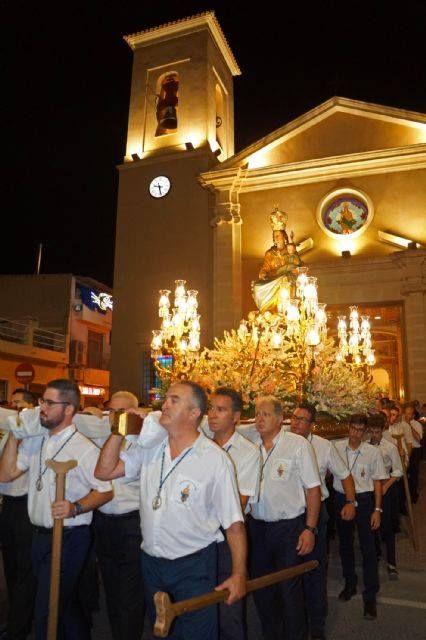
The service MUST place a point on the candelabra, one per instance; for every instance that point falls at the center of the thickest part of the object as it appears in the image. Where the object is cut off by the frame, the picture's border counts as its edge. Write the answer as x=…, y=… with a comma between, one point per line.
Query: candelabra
x=355, y=345
x=179, y=335
x=299, y=326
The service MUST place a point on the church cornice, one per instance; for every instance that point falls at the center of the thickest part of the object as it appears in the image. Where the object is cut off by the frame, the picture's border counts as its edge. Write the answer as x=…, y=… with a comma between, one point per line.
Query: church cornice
x=321, y=112
x=407, y=158
x=182, y=27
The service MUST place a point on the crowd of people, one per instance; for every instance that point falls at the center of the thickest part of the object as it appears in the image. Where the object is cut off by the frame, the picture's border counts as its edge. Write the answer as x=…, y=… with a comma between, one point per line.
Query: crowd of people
x=197, y=502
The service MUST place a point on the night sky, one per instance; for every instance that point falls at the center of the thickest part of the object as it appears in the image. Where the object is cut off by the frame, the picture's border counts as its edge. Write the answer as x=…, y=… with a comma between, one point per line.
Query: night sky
x=66, y=74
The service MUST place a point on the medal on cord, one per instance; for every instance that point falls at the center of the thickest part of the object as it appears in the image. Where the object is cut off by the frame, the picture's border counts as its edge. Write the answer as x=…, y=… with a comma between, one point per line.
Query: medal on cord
x=39, y=481
x=156, y=503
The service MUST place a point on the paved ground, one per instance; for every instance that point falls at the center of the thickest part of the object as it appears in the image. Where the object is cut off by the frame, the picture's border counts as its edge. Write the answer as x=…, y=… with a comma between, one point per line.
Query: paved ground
x=401, y=604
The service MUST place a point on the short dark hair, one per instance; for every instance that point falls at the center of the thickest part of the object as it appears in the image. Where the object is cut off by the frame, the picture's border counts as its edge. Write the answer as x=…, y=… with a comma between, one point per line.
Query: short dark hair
x=310, y=408
x=68, y=391
x=377, y=420
x=358, y=418
x=237, y=401
x=199, y=395
x=26, y=395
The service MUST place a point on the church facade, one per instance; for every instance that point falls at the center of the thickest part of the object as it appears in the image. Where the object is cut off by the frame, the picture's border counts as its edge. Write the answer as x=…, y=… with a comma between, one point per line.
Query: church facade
x=350, y=175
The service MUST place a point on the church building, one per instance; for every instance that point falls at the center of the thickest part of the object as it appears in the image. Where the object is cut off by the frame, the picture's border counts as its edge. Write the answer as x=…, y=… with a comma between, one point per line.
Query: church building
x=350, y=175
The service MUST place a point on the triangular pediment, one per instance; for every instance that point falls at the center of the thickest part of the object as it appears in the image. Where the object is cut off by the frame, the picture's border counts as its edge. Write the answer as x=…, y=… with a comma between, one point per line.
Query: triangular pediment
x=337, y=127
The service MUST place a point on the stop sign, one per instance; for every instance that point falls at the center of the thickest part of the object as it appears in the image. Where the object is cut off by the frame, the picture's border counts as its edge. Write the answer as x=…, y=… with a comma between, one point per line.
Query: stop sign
x=24, y=373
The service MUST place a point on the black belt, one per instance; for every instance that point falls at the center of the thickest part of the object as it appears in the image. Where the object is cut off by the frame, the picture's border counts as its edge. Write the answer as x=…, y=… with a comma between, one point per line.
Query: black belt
x=122, y=516
x=15, y=498
x=49, y=530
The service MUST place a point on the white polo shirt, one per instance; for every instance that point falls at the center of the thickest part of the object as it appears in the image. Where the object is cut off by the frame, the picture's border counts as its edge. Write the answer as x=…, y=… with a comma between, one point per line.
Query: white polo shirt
x=328, y=459
x=289, y=468
x=126, y=494
x=18, y=487
x=365, y=464
x=418, y=427
x=247, y=462
x=391, y=458
x=199, y=496
x=79, y=481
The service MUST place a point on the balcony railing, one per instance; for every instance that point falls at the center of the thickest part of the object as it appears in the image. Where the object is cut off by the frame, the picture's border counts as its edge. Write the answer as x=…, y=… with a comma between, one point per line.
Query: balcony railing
x=28, y=333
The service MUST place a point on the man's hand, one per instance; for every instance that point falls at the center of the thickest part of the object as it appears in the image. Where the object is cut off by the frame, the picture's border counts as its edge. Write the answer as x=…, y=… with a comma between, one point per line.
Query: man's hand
x=62, y=509
x=236, y=585
x=306, y=543
x=375, y=520
x=348, y=512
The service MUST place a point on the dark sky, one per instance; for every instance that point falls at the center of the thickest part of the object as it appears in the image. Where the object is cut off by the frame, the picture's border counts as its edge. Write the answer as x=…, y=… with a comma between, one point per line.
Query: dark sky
x=66, y=72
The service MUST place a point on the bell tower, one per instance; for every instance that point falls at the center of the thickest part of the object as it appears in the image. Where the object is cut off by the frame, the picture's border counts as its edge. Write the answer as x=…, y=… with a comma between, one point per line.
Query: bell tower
x=181, y=123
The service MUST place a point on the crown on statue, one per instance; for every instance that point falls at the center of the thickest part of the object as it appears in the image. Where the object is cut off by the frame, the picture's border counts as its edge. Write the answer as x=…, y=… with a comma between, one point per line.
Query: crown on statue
x=278, y=219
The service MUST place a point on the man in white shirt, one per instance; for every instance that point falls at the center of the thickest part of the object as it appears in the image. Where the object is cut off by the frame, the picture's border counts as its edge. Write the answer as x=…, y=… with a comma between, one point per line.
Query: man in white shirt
x=83, y=493
x=225, y=407
x=16, y=536
x=392, y=461
x=188, y=492
x=117, y=543
x=365, y=463
x=315, y=582
x=416, y=453
x=282, y=524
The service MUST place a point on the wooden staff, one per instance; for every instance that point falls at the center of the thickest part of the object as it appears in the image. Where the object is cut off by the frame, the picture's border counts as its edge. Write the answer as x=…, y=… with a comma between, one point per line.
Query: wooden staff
x=167, y=611
x=61, y=469
x=398, y=437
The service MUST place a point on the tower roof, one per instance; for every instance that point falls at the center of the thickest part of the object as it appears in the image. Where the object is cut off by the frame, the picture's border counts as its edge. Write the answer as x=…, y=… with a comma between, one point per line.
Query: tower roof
x=177, y=28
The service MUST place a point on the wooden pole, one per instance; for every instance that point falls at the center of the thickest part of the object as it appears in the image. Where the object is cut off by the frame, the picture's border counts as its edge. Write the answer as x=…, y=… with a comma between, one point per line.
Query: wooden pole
x=61, y=469
x=398, y=437
x=167, y=611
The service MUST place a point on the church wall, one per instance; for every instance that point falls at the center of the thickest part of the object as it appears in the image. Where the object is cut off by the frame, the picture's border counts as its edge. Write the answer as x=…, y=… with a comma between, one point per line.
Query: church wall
x=343, y=133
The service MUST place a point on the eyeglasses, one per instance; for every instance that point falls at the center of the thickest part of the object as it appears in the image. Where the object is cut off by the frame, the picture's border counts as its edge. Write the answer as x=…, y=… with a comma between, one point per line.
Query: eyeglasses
x=50, y=403
x=299, y=418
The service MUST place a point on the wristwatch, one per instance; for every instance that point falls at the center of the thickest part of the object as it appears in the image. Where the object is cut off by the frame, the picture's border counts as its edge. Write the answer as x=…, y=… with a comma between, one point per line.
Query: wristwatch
x=313, y=530
x=354, y=502
x=378, y=509
x=78, y=509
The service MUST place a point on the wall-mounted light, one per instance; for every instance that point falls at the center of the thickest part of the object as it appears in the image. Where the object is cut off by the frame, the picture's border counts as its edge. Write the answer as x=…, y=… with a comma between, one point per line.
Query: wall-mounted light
x=189, y=146
x=398, y=241
x=135, y=157
x=346, y=253
x=217, y=152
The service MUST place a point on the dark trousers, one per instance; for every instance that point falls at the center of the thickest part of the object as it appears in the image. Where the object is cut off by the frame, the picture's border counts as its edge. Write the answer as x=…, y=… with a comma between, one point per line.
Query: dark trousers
x=315, y=582
x=345, y=531
x=184, y=578
x=413, y=473
x=231, y=618
x=16, y=536
x=72, y=624
x=387, y=527
x=281, y=607
x=118, y=546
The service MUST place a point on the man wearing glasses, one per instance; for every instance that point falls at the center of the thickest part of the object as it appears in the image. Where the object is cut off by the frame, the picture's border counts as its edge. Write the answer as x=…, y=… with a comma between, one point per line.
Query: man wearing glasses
x=282, y=524
x=83, y=493
x=366, y=465
x=315, y=582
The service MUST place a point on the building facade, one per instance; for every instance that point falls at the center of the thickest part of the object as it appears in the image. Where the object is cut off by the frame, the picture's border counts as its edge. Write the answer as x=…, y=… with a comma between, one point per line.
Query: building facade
x=55, y=326
x=351, y=176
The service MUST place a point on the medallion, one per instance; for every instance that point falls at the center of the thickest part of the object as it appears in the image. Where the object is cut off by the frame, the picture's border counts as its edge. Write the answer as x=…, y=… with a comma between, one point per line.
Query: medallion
x=156, y=503
x=39, y=484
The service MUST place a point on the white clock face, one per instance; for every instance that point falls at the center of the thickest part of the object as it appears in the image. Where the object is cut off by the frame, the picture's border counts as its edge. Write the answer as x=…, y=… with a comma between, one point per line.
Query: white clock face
x=159, y=187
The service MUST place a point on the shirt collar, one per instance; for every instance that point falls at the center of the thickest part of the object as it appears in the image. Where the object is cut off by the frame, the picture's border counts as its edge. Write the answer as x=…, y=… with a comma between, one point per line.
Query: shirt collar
x=63, y=434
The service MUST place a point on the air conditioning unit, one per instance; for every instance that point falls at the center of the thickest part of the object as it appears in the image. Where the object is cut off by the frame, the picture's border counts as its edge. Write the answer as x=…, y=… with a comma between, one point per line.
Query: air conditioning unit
x=77, y=352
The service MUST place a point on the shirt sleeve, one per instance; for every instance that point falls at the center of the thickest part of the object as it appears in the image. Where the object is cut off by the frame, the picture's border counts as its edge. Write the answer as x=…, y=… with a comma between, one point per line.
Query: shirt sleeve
x=308, y=466
x=397, y=471
x=88, y=464
x=378, y=466
x=337, y=465
x=132, y=459
x=225, y=495
x=248, y=474
x=25, y=451
x=152, y=433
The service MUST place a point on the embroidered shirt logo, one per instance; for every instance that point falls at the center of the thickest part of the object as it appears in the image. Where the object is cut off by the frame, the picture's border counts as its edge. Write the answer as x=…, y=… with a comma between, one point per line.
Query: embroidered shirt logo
x=280, y=471
x=363, y=473
x=184, y=494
